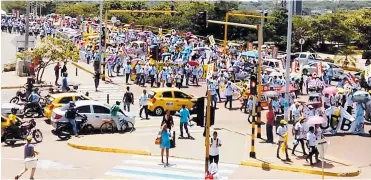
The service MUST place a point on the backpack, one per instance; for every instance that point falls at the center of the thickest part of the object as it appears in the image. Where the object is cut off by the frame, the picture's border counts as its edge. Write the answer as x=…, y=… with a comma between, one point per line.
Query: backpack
x=71, y=113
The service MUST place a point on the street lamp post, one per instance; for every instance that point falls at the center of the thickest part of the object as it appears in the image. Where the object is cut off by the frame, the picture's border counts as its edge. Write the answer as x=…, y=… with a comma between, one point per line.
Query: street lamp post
x=97, y=62
x=288, y=60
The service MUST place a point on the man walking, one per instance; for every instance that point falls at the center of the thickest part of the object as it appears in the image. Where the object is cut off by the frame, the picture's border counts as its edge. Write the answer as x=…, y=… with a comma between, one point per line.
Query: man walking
x=29, y=159
x=96, y=80
x=269, y=124
x=299, y=135
x=215, y=143
x=143, y=102
x=56, y=72
x=127, y=72
x=281, y=131
x=128, y=99
x=184, y=118
x=311, y=138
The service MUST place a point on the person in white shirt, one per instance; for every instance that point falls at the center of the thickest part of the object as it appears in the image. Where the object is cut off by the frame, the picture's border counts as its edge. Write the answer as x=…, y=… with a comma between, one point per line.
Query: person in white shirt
x=296, y=113
x=311, y=138
x=299, y=135
x=281, y=130
x=178, y=79
x=215, y=143
x=143, y=102
x=220, y=82
x=228, y=94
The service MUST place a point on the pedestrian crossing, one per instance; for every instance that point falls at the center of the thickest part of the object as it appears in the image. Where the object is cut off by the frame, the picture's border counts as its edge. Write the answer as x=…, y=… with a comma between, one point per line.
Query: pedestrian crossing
x=150, y=167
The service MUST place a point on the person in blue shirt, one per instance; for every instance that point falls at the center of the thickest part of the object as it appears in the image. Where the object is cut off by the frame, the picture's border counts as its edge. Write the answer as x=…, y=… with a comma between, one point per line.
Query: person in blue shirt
x=184, y=117
x=213, y=94
x=34, y=99
x=138, y=67
x=127, y=72
x=152, y=73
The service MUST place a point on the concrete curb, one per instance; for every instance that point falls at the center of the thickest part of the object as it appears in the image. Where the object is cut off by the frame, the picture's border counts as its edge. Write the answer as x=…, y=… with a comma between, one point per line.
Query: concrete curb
x=18, y=87
x=266, y=165
x=111, y=150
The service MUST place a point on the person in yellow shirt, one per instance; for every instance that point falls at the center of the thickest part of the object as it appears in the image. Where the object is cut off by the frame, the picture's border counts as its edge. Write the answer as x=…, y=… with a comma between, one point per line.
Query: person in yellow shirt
x=11, y=122
x=245, y=98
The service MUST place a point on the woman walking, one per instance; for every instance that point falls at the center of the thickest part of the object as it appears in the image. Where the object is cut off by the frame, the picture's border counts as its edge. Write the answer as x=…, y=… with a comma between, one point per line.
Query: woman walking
x=165, y=144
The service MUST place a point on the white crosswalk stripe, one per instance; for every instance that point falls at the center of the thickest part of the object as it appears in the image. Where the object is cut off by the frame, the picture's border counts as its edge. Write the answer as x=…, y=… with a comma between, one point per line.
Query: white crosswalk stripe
x=149, y=167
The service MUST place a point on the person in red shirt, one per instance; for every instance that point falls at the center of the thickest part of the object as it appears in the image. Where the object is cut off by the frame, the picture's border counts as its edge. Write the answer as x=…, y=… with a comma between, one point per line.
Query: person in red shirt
x=269, y=124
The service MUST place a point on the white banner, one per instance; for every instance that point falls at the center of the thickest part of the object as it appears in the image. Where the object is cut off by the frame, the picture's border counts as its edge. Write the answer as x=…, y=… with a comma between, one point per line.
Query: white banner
x=345, y=123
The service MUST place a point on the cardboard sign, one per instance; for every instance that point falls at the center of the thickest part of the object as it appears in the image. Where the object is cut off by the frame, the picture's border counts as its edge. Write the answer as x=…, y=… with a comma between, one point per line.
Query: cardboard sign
x=212, y=41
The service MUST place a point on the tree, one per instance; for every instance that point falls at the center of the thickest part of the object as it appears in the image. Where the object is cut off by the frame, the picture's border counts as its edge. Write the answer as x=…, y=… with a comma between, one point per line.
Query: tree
x=8, y=6
x=78, y=9
x=51, y=50
x=276, y=30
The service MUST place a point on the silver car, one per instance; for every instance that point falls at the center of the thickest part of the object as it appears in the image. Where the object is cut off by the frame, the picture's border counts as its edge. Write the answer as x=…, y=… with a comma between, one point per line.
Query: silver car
x=311, y=68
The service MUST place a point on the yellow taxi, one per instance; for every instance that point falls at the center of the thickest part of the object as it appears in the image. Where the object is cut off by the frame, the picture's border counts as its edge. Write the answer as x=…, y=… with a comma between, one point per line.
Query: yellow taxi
x=172, y=99
x=60, y=99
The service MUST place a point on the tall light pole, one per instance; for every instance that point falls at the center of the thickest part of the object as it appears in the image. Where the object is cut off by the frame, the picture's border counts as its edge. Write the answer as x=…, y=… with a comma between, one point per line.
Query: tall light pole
x=27, y=25
x=98, y=61
x=288, y=60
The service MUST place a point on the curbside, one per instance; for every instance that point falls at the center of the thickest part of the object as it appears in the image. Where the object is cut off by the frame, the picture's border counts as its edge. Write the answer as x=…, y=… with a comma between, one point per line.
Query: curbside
x=111, y=150
x=266, y=165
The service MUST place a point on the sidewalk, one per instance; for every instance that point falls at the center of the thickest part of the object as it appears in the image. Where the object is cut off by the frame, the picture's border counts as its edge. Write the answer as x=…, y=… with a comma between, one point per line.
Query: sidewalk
x=235, y=147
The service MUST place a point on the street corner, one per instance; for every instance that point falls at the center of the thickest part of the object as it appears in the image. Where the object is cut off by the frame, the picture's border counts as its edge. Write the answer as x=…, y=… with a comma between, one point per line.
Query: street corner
x=99, y=143
x=330, y=169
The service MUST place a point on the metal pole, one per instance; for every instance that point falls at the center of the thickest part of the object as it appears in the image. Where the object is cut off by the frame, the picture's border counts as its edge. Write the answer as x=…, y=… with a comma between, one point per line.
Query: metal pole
x=105, y=46
x=323, y=161
x=100, y=34
x=225, y=33
x=207, y=133
x=40, y=10
x=252, y=148
x=259, y=69
x=301, y=48
x=288, y=60
x=27, y=30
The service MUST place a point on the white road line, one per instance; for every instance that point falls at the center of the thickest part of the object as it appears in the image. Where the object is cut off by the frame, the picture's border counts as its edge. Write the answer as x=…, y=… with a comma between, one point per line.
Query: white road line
x=134, y=176
x=220, y=165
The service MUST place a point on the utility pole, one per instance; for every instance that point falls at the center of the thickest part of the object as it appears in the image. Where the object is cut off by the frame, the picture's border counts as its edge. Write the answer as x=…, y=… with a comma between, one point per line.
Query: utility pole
x=288, y=60
x=27, y=26
x=97, y=62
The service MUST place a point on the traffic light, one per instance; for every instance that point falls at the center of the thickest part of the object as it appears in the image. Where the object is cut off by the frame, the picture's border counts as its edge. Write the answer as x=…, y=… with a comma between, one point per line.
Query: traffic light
x=199, y=109
x=103, y=35
x=203, y=16
x=253, y=85
x=265, y=16
x=172, y=8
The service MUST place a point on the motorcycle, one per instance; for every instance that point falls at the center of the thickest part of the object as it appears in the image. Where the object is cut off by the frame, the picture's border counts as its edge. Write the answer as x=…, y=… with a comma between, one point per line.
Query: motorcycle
x=64, y=129
x=27, y=129
x=30, y=110
x=19, y=96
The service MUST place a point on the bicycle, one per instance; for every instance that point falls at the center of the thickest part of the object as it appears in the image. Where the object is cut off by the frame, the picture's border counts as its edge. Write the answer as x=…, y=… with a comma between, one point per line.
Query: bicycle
x=107, y=126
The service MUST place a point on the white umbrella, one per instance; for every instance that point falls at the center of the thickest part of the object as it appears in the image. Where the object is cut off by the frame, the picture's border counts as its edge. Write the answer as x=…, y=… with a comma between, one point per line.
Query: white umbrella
x=271, y=93
x=275, y=74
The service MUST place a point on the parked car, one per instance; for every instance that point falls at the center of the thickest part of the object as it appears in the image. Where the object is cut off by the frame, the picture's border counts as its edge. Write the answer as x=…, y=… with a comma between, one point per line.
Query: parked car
x=95, y=111
x=311, y=68
x=306, y=57
x=58, y=100
x=272, y=65
x=6, y=109
x=172, y=99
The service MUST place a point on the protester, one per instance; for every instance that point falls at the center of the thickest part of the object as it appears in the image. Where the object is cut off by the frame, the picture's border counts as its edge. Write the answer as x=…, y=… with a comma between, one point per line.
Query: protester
x=143, y=102
x=311, y=138
x=128, y=99
x=281, y=131
x=299, y=135
x=215, y=143
x=269, y=124
x=184, y=118
x=165, y=144
x=29, y=159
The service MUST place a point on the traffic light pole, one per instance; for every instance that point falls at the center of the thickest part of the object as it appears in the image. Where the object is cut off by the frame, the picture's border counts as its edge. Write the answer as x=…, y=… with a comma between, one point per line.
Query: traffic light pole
x=97, y=64
x=105, y=46
x=207, y=133
x=259, y=77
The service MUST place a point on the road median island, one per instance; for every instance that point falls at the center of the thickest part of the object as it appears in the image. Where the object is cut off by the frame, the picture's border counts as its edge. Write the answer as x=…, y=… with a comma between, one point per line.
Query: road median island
x=266, y=159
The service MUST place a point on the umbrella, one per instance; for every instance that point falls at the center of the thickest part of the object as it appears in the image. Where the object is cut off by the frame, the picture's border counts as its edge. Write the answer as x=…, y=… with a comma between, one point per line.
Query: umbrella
x=271, y=93
x=194, y=63
x=283, y=89
x=315, y=83
x=253, y=54
x=272, y=74
x=360, y=96
x=316, y=120
x=329, y=90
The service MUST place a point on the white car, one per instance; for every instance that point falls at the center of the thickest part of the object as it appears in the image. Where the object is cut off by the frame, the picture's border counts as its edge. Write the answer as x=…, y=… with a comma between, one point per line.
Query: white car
x=95, y=111
x=311, y=68
x=7, y=107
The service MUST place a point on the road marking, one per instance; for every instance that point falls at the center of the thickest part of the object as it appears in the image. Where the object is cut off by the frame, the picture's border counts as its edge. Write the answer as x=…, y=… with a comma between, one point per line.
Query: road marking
x=46, y=164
